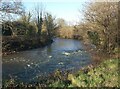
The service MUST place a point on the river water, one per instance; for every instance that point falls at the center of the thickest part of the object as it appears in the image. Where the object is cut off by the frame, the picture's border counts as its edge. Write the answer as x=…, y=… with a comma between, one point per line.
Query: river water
x=63, y=54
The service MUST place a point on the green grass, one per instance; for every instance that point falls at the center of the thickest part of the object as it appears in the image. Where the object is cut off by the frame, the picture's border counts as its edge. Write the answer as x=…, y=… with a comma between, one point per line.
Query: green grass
x=103, y=75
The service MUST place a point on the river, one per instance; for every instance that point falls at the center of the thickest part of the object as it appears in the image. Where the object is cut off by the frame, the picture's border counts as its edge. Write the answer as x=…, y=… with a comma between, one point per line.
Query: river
x=63, y=54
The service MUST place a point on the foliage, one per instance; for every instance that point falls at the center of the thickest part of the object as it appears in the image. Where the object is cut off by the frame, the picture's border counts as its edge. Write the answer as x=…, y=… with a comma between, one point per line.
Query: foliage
x=29, y=28
x=50, y=25
x=17, y=28
x=102, y=18
x=6, y=29
x=94, y=37
x=103, y=75
x=9, y=8
x=12, y=6
x=39, y=18
x=66, y=32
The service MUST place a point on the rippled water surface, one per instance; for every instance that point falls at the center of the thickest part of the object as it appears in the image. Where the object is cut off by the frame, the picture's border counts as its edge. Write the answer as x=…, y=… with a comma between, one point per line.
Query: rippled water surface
x=63, y=54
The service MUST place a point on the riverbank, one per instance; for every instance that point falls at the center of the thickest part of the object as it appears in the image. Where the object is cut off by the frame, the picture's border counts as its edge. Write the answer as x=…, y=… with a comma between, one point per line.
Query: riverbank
x=103, y=75
x=76, y=37
x=12, y=45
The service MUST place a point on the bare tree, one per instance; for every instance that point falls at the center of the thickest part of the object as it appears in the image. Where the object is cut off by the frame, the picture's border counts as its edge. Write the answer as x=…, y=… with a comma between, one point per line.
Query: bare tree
x=39, y=17
x=8, y=9
x=25, y=20
x=103, y=17
x=51, y=26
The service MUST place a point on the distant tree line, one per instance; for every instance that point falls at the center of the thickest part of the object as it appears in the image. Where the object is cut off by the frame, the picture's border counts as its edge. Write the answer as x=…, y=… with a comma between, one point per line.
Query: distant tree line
x=67, y=31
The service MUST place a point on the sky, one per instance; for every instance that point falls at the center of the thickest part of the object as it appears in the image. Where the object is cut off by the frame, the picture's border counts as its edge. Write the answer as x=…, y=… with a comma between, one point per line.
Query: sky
x=68, y=10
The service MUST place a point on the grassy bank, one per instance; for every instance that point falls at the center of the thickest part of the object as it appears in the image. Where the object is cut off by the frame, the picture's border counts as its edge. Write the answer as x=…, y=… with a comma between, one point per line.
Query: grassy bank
x=103, y=75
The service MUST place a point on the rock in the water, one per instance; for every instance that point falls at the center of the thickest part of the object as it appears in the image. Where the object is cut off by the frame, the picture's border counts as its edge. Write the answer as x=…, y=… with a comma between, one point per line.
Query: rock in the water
x=28, y=65
x=61, y=63
x=80, y=51
x=66, y=53
x=50, y=56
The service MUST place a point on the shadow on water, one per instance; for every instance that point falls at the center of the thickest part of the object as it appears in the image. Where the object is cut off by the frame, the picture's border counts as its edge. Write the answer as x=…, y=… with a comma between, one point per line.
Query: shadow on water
x=63, y=54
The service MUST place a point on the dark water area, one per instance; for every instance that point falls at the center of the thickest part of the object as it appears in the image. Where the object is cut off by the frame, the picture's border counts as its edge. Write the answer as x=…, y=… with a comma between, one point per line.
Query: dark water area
x=63, y=54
